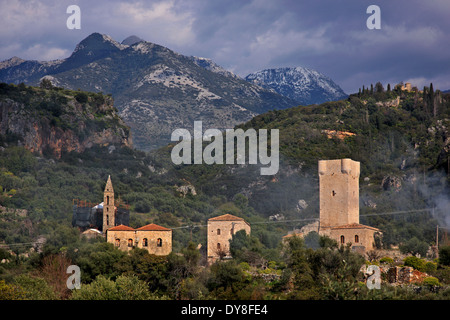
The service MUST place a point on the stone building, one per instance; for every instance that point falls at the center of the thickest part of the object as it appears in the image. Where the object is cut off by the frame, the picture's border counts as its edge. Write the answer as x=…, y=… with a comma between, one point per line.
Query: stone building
x=219, y=233
x=339, y=206
x=155, y=239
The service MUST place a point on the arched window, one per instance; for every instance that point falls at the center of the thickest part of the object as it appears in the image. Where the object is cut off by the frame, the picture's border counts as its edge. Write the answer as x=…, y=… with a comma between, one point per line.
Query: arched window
x=107, y=220
x=107, y=200
x=159, y=242
x=144, y=242
x=356, y=238
x=218, y=232
x=342, y=239
x=117, y=242
x=218, y=246
x=130, y=243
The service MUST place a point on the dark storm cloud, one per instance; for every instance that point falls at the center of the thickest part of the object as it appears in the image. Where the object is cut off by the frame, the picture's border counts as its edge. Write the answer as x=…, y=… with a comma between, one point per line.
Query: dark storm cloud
x=246, y=36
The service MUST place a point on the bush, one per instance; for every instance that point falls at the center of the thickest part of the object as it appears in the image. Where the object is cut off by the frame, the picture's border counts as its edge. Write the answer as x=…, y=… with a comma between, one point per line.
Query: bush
x=124, y=288
x=430, y=267
x=81, y=97
x=415, y=262
x=431, y=282
x=387, y=260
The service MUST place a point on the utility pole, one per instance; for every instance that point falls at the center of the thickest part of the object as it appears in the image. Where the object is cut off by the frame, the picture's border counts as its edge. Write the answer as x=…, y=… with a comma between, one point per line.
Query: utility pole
x=437, y=236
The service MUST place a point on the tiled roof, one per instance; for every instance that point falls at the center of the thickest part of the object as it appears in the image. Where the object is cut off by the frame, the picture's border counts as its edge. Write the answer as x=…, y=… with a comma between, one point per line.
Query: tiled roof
x=121, y=228
x=354, y=226
x=226, y=217
x=152, y=227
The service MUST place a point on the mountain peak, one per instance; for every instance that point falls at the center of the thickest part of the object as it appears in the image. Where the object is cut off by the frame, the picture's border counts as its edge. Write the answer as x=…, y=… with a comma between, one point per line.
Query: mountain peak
x=98, y=42
x=129, y=41
x=14, y=61
x=307, y=86
x=93, y=47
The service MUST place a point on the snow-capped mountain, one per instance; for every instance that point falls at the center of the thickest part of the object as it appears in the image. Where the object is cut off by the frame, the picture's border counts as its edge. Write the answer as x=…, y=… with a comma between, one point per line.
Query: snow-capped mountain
x=306, y=86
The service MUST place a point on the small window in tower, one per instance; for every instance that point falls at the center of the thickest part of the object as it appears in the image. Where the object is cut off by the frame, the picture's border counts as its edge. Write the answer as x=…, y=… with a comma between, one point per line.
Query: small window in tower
x=144, y=242
x=342, y=239
x=107, y=200
x=218, y=232
x=333, y=193
x=218, y=246
x=107, y=220
x=159, y=242
x=356, y=238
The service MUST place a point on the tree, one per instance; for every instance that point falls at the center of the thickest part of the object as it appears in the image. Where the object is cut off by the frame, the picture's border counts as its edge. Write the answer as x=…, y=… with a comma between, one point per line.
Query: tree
x=35, y=288
x=147, y=267
x=248, y=248
x=379, y=87
x=414, y=246
x=444, y=255
x=225, y=275
x=297, y=256
x=54, y=271
x=46, y=84
x=82, y=97
x=98, y=259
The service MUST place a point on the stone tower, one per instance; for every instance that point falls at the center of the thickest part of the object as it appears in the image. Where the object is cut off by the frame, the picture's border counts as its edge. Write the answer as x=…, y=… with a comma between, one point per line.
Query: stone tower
x=339, y=192
x=109, y=214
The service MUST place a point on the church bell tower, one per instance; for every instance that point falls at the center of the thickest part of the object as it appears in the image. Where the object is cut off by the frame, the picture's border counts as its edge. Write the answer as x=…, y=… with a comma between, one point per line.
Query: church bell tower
x=109, y=214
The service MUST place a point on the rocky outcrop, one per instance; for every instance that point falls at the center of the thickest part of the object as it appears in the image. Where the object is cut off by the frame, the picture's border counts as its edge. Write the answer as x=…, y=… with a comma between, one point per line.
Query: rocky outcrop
x=67, y=126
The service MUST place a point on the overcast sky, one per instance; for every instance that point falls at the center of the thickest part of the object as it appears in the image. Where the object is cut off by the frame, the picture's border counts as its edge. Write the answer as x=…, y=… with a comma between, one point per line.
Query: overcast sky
x=330, y=36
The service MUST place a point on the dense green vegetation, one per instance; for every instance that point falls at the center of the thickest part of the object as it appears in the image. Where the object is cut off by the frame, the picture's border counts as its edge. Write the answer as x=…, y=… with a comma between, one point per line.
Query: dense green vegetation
x=404, y=167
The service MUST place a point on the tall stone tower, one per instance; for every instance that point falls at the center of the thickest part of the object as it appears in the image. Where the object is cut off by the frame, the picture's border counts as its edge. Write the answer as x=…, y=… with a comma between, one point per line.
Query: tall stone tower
x=339, y=192
x=109, y=214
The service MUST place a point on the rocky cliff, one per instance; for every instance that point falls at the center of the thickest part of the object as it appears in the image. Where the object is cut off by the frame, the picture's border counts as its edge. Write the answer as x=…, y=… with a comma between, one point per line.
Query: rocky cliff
x=52, y=121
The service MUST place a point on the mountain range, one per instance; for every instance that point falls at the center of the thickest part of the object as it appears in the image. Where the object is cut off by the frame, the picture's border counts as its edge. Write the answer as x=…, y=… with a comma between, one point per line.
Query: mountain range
x=157, y=90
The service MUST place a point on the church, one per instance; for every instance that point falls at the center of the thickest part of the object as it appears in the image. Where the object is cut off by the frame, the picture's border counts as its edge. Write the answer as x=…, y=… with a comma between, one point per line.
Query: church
x=110, y=218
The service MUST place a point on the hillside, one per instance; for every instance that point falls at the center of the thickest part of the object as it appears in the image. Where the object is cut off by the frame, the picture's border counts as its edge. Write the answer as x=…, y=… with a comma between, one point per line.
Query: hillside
x=54, y=121
x=401, y=139
x=403, y=150
x=155, y=89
